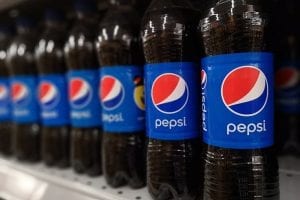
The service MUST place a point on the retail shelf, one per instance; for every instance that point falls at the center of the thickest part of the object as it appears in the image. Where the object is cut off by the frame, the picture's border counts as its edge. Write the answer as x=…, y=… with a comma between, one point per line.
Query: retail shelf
x=19, y=181
x=37, y=182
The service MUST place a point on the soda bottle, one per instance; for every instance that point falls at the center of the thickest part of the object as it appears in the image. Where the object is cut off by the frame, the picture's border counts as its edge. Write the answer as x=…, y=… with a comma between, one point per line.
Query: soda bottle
x=287, y=51
x=5, y=105
x=24, y=81
x=169, y=33
x=53, y=92
x=237, y=104
x=83, y=78
x=122, y=96
x=141, y=5
x=288, y=95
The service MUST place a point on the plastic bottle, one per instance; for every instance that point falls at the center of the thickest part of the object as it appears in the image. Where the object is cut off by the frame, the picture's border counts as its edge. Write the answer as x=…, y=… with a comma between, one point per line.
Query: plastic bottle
x=24, y=81
x=83, y=78
x=287, y=79
x=122, y=96
x=53, y=91
x=5, y=104
x=237, y=104
x=169, y=32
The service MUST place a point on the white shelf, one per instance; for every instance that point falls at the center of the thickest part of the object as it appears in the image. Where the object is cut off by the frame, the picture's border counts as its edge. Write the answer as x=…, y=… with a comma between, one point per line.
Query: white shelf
x=37, y=182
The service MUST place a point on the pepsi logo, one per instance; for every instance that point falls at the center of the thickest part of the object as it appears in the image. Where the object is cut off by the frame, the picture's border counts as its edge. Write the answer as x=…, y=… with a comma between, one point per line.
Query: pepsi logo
x=48, y=94
x=287, y=77
x=80, y=93
x=169, y=93
x=111, y=93
x=20, y=94
x=245, y=91
x=203, y=79
x=3, y=93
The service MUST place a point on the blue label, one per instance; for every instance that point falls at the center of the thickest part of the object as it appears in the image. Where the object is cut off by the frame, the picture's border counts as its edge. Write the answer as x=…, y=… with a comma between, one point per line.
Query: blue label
x=53, y=98
x=5, y=107
x=237, y=100
x=122, y=98
x=24, y=99
x=288, y=87
x=83, y=98
x=172, y=111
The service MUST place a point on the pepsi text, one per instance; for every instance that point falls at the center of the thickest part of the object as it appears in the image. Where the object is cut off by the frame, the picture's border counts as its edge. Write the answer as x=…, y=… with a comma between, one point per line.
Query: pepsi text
x=173, y=123
x=203, y=99
x=247, y=128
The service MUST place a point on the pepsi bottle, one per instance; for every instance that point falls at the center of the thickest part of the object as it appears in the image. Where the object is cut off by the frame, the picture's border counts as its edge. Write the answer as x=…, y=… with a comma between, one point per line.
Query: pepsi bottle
x=169, y=33
x=83, y=83
x=122, y=96
x=24, y=81
x=53, y=91
x=5, y=104
x=288, y=95
x=237, y=104
x=287, y=80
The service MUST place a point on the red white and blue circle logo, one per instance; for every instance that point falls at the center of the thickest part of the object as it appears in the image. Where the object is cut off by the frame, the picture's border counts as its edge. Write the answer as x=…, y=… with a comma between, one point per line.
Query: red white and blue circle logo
x=245, y=91
x=111, y=92
x=20, y=94
x=169, y=93
x=80, y=93
x=48, y=95
x=203, y=79
x=287, y=77
x=4, y=93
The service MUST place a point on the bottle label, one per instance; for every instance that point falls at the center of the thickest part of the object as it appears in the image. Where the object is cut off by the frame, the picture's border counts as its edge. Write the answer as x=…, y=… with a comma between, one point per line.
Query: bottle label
x=288, y=88
x=53, y=99
x=5, y=107
x=24, y=99
x=172, y=111
x=122, y=98
x=83, y=98
x=237, y=100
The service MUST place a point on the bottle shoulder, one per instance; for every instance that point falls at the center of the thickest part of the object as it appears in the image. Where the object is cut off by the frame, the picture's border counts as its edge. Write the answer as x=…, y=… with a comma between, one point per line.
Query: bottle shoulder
x=119, y=25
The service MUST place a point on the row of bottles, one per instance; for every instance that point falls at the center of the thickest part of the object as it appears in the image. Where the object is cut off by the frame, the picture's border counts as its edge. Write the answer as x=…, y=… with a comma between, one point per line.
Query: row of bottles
x=94, y=116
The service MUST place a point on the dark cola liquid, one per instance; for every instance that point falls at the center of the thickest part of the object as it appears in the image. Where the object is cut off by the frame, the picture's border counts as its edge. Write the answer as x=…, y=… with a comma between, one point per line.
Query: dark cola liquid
x=237, y=174
x=80, y=55
x=26, y=136
x=55, y=139
x=124, y=159
x=123, y=154
x=86, y=150
x=173, y=167
x=5, y=126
